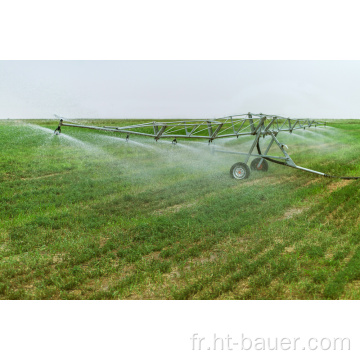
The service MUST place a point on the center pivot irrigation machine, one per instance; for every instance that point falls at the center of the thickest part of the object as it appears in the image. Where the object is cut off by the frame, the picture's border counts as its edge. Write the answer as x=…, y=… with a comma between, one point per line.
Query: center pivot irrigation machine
x=258, y=125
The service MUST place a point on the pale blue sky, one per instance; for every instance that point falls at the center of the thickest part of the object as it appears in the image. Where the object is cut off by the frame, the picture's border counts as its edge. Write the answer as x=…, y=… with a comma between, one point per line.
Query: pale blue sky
x=178, y=89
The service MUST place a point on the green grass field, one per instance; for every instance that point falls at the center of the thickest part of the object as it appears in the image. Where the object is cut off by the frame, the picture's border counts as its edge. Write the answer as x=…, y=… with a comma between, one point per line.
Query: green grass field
x=85, y=215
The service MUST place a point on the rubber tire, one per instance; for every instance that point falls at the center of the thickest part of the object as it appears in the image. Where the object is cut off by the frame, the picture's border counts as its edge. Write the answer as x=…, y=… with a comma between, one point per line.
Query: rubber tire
x=241, y=167
x=264, y=165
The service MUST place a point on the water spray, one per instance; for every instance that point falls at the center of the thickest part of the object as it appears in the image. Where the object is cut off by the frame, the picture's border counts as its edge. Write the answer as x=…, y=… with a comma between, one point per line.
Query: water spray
x=257, y=125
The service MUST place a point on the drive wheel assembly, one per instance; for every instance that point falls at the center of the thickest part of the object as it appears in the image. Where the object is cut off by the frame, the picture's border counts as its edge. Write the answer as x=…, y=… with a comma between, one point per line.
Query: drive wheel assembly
x=240, y=171
x=264, y=166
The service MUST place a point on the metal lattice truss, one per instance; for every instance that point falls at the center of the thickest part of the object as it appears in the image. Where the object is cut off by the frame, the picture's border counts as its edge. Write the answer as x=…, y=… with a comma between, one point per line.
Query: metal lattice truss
x=230, y=126
x=258, y=125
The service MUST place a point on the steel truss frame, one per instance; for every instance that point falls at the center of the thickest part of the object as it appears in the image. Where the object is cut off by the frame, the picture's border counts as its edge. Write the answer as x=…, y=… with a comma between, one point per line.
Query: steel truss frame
x=258, y=125
x=230, y=126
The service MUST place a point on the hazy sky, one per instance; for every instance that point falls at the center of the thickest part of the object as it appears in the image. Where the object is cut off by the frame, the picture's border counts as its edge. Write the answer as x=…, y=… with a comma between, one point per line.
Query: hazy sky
x=179, y=89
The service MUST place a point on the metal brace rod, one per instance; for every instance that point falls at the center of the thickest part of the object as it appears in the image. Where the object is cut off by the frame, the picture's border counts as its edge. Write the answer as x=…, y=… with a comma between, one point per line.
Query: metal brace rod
x=216, y=131
x=261, y=123
x=194, y=129
x=253, y=155
x=210, y=129
x=268, y=127
x=186, y=129
x=289, y=161
x=292, y=128
x=156, y=128
x=283, y=124
x=240, y=127
x=252, y=147
x=266, y=151
x=158, y=135
x=251, y=123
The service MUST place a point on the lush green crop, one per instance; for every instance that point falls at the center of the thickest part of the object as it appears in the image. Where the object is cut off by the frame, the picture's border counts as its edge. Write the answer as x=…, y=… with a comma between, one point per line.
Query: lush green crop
x=85, y=215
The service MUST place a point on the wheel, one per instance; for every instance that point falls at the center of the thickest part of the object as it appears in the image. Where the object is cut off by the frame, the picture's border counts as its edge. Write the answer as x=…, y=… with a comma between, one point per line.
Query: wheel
x=264, y=166
x=240, y=171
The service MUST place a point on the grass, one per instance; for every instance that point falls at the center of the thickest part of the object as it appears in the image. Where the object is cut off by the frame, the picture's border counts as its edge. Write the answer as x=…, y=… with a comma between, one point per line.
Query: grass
x=86, y=215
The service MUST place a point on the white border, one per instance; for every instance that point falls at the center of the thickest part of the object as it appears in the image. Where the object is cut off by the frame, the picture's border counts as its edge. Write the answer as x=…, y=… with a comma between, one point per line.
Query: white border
x=187, y=29
x=163, y=329
x=171, y=30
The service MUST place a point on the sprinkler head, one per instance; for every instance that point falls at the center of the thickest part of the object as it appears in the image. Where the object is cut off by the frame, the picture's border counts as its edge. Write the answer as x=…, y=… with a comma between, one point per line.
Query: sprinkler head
x=57, y=131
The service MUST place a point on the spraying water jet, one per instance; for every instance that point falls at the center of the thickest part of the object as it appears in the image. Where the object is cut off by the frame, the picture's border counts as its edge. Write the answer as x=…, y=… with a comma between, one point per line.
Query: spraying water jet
x=257, y=125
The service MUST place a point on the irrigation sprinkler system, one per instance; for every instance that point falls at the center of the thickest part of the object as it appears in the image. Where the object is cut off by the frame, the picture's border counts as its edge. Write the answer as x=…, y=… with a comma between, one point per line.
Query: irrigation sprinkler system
x=258, y=125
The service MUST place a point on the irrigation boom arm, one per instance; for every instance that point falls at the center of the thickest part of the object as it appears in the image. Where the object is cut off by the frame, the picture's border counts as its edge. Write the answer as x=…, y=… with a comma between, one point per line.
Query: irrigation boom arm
x=230, y=126
x=258, y=125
